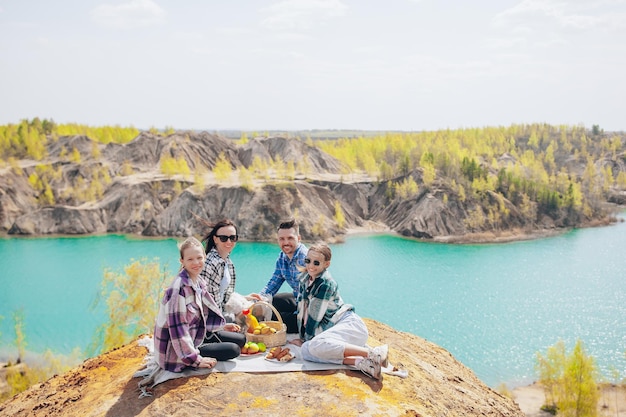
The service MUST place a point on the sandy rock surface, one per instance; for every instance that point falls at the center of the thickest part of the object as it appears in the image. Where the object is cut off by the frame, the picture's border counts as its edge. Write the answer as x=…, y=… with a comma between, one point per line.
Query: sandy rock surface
x=437, y=385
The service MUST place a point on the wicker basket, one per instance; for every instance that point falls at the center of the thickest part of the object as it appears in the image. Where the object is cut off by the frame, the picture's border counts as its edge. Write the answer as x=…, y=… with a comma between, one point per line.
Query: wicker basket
x=273, y=339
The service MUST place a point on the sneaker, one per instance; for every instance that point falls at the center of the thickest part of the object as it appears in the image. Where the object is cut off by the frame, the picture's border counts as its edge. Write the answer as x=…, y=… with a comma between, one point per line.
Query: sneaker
x=371, y=368
x=380, y=353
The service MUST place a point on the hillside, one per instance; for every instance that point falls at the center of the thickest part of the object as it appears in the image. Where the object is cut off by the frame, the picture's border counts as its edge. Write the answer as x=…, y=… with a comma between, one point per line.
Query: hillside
x=437, y=385
x=157, y=185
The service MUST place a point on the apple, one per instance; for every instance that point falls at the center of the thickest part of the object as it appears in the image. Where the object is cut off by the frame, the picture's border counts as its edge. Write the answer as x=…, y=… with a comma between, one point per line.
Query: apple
x=262, y=347
x=253, y=348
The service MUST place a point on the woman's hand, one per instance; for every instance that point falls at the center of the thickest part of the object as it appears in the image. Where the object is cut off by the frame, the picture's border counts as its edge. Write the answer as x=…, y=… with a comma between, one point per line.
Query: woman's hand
x=296, y=342
x=207, y=362
x=232, y=327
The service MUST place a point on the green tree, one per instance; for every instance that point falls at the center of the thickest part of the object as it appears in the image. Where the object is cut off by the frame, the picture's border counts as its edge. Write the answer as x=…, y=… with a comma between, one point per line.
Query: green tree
x=132, y=299
x=222, y=169
x=339, y=216
x=20, y=338
x=569, y=381
x=580, y=391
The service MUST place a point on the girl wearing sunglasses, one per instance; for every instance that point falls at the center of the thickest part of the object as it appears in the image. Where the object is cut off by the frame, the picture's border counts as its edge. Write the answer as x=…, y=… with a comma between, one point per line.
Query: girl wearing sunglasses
x=330, y=331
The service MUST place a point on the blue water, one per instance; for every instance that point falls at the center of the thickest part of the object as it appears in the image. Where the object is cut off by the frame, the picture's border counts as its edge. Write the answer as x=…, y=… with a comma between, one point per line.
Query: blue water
x=492, y=306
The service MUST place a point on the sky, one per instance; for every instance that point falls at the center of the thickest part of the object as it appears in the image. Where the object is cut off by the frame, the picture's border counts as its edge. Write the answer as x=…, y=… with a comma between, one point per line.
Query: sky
x=407, y=65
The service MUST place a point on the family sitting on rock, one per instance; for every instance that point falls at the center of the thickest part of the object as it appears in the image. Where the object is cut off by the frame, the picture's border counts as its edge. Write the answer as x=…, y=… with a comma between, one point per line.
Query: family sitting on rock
x=191, y=330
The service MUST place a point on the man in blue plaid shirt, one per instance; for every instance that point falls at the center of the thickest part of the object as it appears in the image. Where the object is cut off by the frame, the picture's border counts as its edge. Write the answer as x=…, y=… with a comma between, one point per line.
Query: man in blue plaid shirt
x=291, y=256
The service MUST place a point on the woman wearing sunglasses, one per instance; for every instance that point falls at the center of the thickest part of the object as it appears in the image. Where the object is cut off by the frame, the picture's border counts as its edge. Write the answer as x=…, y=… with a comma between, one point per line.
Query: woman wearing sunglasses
x=219, y=275
x=219, y=270
x=330, y=331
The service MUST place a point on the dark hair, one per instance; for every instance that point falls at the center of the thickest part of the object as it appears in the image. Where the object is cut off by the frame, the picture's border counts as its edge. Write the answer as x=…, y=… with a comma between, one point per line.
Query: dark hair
x=290, y=224
x=209, y=243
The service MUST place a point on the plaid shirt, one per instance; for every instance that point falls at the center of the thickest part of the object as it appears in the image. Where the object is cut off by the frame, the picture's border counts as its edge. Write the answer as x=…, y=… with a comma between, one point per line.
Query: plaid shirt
x=319, y=305
x=286, y=270
x=212, y=273
x=185, y=315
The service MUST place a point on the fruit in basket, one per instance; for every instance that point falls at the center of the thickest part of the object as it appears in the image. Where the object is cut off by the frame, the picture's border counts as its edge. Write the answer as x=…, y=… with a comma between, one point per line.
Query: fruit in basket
x=251, y=321
x=266, y=330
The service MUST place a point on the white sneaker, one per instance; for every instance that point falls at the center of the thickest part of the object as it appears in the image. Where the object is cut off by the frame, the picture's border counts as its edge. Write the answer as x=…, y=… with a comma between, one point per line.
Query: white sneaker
x=371, y=368
x=380, y=354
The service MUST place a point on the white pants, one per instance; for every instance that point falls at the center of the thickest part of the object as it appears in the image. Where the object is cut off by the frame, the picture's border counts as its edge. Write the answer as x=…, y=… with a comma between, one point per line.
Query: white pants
x=328, y=346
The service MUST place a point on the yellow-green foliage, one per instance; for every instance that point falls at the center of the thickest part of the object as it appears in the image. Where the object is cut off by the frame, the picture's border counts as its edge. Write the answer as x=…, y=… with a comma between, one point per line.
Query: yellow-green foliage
x=470, y=158
x=318, y=230
x=126, y=169
x=340, y=219
x=260, y=168
x=20, y=338
x=569, y=381
x=132, y=298
x=41, y=181
x=27, y=140
x=406, y=188
x=91, y=187
x=475, y=219
x=174, y=166
x=75, y=156
x=95, y=151
x=222, y=169
x=245, y=178
x=279, y=168
x=198, y=179
x=429, y=174
x=21, y=377
x=243, y=139
x=290, y=171
x=103, y=134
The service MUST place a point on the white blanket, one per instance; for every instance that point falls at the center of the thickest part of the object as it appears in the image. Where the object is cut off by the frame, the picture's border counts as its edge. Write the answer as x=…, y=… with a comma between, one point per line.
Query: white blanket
x=153, y=375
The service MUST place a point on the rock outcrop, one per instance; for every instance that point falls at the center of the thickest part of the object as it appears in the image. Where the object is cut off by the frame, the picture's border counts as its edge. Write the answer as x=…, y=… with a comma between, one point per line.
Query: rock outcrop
x=437, y=385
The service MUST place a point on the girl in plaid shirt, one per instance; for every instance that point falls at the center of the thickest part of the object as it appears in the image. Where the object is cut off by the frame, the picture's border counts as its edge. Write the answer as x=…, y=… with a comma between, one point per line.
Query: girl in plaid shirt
x=330, y=331
x=187, y=312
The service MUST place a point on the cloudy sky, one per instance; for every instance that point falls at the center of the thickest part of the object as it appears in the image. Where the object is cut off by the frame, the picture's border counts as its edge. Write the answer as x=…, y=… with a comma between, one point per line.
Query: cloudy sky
x=314, y=64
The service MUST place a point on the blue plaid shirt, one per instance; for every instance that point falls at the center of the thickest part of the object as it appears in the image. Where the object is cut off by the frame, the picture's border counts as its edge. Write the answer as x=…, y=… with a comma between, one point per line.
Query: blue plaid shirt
x=286, y=270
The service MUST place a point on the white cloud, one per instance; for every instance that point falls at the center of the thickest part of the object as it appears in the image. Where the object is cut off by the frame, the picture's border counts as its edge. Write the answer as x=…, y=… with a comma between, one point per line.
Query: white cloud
x=564, y=14
x=135, y=13
x=301, y=14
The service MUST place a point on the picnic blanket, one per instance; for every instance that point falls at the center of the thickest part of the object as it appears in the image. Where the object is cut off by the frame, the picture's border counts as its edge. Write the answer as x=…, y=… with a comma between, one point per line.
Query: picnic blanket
x=153, y=375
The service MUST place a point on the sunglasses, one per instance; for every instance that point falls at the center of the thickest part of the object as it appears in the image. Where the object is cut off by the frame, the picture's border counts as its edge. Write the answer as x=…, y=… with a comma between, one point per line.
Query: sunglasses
x=308, y=261
x=224, y=238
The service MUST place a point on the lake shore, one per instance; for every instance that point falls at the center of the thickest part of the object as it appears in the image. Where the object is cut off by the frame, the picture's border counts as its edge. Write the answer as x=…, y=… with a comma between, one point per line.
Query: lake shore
x=530, y=398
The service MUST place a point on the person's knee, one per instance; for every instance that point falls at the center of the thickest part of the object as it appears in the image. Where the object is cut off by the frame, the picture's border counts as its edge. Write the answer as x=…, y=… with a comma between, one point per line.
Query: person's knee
x=314, y=347
x=231, y=350
x=284, y=302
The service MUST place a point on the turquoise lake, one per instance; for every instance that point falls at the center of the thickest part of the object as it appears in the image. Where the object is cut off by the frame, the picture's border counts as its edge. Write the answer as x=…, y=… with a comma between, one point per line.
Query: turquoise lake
x=492, y=306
